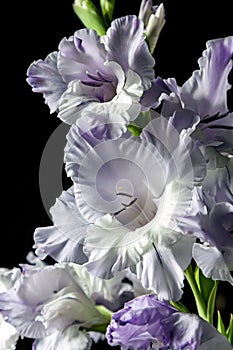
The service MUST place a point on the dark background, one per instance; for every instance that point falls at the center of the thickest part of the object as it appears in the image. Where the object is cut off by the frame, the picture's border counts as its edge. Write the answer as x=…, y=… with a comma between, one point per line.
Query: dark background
x=33, y=29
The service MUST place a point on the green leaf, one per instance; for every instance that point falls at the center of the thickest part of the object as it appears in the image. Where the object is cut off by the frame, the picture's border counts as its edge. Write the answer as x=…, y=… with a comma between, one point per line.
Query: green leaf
x=90, y=16
x=107, y=7
x=201, y=305
x=220, y=326
x=229, y=331
x=205, y=285
x=134, y=129
x=211, y=303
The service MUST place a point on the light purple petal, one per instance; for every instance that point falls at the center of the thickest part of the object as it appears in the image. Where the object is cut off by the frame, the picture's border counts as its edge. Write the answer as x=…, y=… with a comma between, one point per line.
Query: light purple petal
x=218, y=131
x=81, y=55
x=206, y=91
x=44, y=77
x=125, y=44
x=139, y=324
x=98, y=105
x=215, y=257
x=146, y=323
x=152, y=97
x=64, y=240
x=217, y=187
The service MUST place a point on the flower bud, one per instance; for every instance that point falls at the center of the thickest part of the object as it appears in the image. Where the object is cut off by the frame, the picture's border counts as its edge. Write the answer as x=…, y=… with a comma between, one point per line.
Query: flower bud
x=90, y=16
x=153, y=18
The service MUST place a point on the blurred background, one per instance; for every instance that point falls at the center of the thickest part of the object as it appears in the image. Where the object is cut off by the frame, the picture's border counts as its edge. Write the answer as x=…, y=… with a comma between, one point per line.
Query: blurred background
x=32, y=30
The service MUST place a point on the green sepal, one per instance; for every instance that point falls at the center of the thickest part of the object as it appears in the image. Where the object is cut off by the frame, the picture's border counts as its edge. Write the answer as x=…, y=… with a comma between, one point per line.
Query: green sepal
x=100, y=328
x=104, y=311
x=90, y=16
x=220, y=325
x=211, y=303
x=229, y=332
x=134, y=129
x=205, y=285
x=107, y=7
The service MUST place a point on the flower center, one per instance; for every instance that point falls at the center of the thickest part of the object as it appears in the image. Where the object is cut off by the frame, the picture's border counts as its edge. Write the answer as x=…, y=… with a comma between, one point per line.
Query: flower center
x=135, y=212
x=104, y=87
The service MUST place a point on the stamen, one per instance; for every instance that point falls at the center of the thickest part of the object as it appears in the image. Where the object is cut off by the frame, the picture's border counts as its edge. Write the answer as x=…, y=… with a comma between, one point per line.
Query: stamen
x=124, y=194
x=103, y=77
x=92, y=83
x=92, y=76
x=128, y=205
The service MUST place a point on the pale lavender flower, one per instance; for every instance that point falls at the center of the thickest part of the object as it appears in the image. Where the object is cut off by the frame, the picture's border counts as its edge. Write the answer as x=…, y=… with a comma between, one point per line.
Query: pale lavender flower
x=52, y=303
x=205, y=94
x=104, y=75
x=147, y=323
x=130, y=193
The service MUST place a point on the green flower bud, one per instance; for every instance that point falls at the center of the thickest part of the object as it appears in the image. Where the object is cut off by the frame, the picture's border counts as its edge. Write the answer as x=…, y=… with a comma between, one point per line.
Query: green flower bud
x=90, y=16
x=107, y=7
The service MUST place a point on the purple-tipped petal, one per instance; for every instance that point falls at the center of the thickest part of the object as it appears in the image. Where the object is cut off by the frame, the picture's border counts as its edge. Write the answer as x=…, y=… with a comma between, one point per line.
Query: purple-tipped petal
x=206, y=91
x=125, y=44
x=44, y=77
x=82, y=56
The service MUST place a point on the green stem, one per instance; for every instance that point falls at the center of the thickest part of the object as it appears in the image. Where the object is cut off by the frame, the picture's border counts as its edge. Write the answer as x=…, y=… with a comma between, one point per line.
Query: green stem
x=201, y=306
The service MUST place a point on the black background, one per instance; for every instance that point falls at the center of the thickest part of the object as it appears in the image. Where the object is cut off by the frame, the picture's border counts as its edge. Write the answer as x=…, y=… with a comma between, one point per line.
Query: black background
x=31, y=30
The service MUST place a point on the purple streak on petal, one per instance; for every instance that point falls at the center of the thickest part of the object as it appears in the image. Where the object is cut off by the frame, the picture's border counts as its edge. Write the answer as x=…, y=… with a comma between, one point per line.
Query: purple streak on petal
x=159, y=271
x=206, y=91
x=82, y=56
x=151, y=97
x=125, y=44
x=44, y=77
x=219, y=129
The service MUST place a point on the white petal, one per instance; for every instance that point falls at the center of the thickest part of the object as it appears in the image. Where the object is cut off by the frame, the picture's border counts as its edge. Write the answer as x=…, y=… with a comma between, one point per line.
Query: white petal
x=8, y=335
x=70, y=339
x=212, y=263
x=159, y=271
